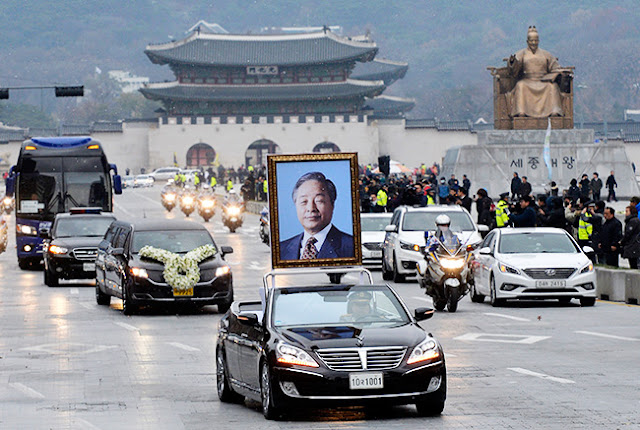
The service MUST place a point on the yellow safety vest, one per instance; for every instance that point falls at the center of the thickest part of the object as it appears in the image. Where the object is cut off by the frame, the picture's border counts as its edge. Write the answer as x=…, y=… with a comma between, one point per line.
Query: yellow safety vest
x=250, y=168
x=585, y=230
x=382, y=198
x=265, y=186
x=502, y=217
x=196, y=179
x=430, y=200
x=176, y=178
x=229, y=185
x=214, y=181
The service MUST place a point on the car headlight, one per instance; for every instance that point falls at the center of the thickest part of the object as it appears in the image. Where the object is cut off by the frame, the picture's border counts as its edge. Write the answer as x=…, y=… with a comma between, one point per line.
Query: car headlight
x=26, y=229
x=138, y=272
x=452, y=263
x=207, y=203
x=588, y=268
x=427, y=350
x=409, y=246
x=57, y=250
x=288, y=354
x=221, y=271
x=508, y=269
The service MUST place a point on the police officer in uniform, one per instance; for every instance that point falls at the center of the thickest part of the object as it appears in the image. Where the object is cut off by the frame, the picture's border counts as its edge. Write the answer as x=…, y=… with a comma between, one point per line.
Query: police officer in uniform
x=502, y=211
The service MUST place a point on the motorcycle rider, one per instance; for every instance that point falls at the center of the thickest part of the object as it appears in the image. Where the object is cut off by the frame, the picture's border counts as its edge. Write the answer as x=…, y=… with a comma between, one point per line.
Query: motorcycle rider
x=443, y=234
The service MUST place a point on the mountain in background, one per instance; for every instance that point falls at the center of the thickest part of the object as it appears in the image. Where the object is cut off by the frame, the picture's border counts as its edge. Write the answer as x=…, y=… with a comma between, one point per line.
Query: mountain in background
x=448, y=45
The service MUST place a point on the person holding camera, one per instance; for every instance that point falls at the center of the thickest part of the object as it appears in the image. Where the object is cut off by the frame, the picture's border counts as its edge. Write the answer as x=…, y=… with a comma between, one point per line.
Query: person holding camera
x=527, y=218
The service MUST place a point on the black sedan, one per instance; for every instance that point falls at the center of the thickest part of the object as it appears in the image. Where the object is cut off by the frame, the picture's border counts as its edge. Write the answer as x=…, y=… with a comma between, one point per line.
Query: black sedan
x=140, y=280
x=72, y=244
x=332, y=345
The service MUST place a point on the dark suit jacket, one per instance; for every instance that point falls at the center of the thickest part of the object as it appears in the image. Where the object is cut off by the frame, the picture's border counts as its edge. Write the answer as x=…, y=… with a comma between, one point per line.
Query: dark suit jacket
x=337, y=245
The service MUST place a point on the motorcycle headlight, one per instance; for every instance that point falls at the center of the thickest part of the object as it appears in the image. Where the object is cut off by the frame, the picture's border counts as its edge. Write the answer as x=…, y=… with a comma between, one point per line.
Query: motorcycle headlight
x=26, y=229
x=425, y=351
x=588, y=268
x=452, y=263
x=288, y=354
x=169, y=197
x=187, y=200
x=508, y=269
x=409, y=246
x=57, y=250
x=233, y=210
x=207, y=203
x=7, y=201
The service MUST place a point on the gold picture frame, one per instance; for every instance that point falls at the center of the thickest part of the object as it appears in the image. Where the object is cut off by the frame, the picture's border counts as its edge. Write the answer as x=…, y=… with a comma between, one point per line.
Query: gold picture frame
x=292, y=221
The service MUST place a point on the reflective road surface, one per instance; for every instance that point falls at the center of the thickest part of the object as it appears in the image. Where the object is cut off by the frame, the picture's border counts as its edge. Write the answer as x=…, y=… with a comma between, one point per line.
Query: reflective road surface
x=67, y=363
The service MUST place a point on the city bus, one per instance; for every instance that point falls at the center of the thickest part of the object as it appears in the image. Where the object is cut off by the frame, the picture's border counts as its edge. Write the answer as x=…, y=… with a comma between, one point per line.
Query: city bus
x=52, y=175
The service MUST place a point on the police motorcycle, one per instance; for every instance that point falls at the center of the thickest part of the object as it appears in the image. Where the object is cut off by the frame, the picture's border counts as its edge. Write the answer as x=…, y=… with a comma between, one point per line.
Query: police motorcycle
x=169, y=197
x=264, y=225
x=188, y=201
x=8, y=203
x=445, y=272
x=232, y=211
x=206, y=204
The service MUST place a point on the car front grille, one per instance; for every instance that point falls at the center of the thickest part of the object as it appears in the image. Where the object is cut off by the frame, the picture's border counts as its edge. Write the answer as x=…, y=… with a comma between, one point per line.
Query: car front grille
x=373, y=246
x=369, y=358
x=85, y=254
x=562, y=273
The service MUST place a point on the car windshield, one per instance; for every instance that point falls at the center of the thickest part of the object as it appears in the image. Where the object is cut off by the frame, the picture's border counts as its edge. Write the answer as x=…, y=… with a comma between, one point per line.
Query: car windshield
x=423, y=221
x=83, y=226
x=337, y=306
x=534, y=243
x=177, y=241
x=374, y=223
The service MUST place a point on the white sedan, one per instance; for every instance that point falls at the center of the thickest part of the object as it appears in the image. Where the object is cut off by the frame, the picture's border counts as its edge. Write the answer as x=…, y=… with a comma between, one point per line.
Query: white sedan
x=532, y=263
x=372, y=236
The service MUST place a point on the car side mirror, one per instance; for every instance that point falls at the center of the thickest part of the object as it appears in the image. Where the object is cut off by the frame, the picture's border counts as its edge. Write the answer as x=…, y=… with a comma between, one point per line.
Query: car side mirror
x=483, y=228
x=391, y=228
x=422, y=314
x=224, y=250
x=117, y=184
x=587, y=250
x=485, y=251
x=248, y=318
x=117, y=252
x=45, y=233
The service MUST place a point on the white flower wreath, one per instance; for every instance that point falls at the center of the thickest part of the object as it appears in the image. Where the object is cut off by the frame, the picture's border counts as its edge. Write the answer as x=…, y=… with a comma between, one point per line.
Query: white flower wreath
x=181, y=273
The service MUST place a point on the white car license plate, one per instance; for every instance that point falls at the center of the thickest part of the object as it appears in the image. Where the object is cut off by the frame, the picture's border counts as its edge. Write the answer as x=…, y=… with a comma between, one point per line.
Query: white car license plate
x=89, y=267
x=365, y=381
x=543, y=284
x=376, y=254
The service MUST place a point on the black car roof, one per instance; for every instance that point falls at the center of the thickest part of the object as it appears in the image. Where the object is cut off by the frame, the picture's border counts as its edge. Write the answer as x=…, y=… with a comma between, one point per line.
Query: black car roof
x=154, y=225
x=78, y=216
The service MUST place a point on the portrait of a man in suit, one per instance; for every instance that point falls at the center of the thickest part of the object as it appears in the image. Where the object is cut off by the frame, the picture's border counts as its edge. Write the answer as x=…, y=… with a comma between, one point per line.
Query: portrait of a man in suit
x=314, y=197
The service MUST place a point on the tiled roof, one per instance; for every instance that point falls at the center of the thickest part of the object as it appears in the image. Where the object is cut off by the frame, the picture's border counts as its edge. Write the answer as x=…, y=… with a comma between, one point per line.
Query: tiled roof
x=235, y=93
x=75, y=130
x=420, y=123
x=389, y=105
x=107, y=127
x=454, y=126
x=261, y=50
x=40, y=131
x=380, y=69
x=12, y=135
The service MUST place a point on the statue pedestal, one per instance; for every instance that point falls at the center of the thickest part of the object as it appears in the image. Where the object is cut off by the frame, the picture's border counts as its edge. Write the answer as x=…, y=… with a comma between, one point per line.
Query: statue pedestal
x=527, y=123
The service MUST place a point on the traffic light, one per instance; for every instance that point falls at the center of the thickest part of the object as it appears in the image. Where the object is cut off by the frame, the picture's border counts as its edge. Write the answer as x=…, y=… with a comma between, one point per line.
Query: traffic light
x=383, y=164
x=70, y=91
x=4, y=93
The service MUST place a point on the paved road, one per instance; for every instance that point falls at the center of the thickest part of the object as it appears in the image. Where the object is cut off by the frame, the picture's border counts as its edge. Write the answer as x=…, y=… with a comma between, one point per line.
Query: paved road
x=66, y=363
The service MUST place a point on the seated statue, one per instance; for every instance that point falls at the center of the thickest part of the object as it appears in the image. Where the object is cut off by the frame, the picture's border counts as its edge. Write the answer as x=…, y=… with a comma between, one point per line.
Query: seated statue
x=537, y=73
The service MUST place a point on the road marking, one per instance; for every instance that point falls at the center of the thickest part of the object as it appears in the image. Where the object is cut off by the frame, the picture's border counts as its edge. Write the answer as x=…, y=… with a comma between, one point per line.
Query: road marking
x=74, y=291
x=122, y=209
x=254, y=266
x=541, y=375
x=86, y=424
x=87, y=306
x=183, y=346
x=26, y=390
x=155, y=202
x=447, y=355
x=502, y=338
x=610, y=336
x=507, y=316
x=424, y=299
x=126, y=326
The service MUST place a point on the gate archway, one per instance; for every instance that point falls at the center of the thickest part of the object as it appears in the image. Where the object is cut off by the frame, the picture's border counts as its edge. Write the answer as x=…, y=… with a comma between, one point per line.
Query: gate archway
x=325, y=147
x=256, y=154
x=200, y=154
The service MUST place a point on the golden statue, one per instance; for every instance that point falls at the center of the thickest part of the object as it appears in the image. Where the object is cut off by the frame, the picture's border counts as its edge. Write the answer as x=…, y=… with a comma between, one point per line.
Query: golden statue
x=532, y=88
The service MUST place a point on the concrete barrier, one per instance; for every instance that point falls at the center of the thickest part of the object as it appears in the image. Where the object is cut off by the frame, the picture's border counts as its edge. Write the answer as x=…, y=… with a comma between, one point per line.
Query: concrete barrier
x=618, y=285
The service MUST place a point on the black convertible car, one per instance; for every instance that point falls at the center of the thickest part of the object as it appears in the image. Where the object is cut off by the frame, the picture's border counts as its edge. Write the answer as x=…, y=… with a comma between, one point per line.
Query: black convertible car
x=331, y=345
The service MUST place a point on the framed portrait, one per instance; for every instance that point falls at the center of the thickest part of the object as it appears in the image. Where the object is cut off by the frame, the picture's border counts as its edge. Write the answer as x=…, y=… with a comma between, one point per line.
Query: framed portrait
x=314, y=210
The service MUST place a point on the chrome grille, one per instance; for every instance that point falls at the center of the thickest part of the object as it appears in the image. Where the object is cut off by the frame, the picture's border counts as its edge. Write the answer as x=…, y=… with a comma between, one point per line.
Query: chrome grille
x=85, y=254
x=551, y=273
x=368, y=358
x=373, y=246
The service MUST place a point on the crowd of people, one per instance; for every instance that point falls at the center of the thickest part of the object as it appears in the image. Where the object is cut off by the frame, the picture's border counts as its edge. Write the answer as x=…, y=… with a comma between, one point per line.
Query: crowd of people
x=579, y=209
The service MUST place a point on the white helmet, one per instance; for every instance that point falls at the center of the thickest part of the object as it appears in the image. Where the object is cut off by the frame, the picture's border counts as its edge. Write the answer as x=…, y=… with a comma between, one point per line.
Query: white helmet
x=443, y=220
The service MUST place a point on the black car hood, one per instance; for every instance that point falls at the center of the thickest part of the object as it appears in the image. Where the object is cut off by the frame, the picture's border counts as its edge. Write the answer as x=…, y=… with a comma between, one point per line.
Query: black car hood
x=346, y=336
x=148, y=263
x=77, y=242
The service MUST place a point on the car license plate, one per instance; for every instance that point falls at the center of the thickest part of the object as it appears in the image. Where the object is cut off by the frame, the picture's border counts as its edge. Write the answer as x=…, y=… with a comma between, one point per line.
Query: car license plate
x=543, y=284
x=183, y=293
x=89, y=267
x=365, y=381
x=376, y=254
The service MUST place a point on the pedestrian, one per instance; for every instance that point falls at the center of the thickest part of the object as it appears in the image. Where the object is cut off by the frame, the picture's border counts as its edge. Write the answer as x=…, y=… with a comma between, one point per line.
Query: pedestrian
x=453, y=182
x=463, y=199
x=466, y=184
x=611, y=185
x=635, y=201
x=554, y=216
x=574, y=192
x=515, y=185
x=610, y=236
x=525, y=187
x=381, y=200
x=443, y=191
x=585, y=187
x=483, y=207
x=630, y=242
x=554, y=188
x=596, y=187
x=527, y=218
